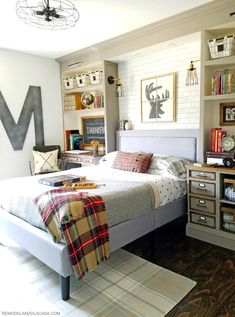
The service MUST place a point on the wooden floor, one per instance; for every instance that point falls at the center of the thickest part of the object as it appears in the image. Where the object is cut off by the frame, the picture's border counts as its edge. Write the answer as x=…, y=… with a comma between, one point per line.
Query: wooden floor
x=212, y=267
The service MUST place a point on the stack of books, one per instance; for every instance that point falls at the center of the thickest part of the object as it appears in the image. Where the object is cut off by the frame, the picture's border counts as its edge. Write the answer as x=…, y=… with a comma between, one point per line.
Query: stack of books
x=217, y=135
x=213, y=158
x=61, y=180
x=223, y=83
x=73, y=140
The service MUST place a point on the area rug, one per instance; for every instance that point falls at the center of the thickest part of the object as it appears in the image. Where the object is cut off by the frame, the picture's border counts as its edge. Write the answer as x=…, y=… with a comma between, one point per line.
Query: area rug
x=124, y=286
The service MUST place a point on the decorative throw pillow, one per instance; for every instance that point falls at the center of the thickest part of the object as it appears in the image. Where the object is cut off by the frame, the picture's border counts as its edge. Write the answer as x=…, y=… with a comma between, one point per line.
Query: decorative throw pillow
x=45, y=162
x=132, y=162
x=171, y=164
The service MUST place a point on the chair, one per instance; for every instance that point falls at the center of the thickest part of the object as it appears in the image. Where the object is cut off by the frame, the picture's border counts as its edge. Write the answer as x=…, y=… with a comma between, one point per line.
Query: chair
x=48, y=163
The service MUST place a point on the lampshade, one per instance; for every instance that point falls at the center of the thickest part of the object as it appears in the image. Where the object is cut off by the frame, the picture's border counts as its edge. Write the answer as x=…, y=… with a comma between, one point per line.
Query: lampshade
x=47, y=14
x=120, y=91
x=191, y=78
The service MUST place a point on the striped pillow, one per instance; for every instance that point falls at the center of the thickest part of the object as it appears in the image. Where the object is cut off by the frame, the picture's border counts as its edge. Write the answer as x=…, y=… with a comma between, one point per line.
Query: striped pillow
x=133, y=162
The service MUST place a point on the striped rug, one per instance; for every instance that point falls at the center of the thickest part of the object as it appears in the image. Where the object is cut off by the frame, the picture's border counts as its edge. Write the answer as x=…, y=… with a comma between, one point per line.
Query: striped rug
x=124, y=286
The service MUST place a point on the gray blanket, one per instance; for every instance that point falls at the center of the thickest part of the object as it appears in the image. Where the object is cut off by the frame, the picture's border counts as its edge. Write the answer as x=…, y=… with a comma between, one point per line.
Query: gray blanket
x=124, y=200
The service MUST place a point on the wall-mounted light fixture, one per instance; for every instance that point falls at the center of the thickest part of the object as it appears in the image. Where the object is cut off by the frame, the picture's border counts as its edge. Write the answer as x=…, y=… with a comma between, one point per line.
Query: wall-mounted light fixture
x=191, y=78
x=119, y=86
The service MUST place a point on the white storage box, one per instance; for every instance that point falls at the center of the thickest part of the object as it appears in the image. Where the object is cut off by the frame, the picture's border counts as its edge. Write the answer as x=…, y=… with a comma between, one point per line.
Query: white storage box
x=222, y=47
x=96, y=77
x=82, y=80
x=69, y=83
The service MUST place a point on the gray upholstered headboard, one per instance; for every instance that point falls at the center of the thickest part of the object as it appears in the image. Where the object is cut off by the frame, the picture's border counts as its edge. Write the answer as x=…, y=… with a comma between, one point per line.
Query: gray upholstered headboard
x=180, y=142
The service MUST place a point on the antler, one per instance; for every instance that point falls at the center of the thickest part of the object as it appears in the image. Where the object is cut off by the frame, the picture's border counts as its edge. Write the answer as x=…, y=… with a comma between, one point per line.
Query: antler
x=148, y=90
x=157, y=104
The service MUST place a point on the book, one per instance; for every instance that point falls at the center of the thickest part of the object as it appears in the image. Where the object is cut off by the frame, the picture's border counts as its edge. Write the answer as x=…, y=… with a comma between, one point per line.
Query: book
x=214, y=161
x=81, y=185
x=221, y=134
x=220, y=154
x=214, y=143
x=67, y=138
x=61, y=180
x=75, y=141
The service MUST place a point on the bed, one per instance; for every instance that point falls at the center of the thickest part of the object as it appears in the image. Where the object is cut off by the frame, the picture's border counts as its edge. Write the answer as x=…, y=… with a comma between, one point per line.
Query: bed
x=181, y=143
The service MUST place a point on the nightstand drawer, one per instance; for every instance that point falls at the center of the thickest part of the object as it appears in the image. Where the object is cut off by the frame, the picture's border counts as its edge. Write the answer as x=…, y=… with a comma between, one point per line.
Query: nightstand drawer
x=203, y=205
x=203, y=175
x=202, y=220
x=87, y=160
x=202, y=188
x=71, y=158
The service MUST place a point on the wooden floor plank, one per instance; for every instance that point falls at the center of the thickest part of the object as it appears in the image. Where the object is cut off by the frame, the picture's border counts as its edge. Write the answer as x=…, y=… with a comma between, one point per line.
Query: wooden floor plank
x=212, y=267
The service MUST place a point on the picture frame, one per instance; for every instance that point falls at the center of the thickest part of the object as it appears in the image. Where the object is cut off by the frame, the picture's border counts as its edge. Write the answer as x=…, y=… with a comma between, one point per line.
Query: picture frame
x=158, y=99
x=92, y=128
x=227, y=113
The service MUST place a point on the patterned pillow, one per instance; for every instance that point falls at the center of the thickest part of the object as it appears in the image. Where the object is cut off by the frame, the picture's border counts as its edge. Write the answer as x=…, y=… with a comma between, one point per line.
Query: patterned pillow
x=132, y=162
x=171, y=164
x=45, y=162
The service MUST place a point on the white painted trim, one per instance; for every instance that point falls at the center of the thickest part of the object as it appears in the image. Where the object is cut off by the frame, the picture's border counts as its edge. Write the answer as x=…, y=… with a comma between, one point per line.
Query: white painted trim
x=200, y=18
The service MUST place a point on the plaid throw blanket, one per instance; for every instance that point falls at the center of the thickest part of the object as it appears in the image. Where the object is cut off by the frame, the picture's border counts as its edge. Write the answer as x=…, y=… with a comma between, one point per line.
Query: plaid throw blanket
x=79, y=218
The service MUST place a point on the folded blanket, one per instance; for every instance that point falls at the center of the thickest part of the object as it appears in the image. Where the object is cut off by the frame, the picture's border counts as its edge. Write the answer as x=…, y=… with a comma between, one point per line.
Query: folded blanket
x=79, y=218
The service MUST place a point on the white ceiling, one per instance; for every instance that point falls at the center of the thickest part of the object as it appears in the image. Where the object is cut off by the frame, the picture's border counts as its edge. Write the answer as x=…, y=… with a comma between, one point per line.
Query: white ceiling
x=99, y=21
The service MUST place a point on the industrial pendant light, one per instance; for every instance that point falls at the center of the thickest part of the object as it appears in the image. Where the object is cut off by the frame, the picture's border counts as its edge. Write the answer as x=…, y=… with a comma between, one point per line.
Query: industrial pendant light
x=191, y=78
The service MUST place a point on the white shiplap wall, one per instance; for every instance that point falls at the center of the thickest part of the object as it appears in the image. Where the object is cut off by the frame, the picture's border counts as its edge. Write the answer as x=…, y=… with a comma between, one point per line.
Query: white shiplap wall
x=175, y=59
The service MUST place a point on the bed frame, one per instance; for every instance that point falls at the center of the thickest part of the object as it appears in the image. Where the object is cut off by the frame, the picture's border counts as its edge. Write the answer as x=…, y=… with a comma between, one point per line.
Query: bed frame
x=181, y=143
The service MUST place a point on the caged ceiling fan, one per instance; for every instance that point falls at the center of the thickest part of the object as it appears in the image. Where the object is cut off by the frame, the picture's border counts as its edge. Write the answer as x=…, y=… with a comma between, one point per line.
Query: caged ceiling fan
x=48, y=14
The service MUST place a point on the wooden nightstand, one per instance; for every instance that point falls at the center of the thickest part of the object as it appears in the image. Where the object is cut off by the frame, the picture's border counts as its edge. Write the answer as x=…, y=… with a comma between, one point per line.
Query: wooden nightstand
x=69, y=159
x=211, y=215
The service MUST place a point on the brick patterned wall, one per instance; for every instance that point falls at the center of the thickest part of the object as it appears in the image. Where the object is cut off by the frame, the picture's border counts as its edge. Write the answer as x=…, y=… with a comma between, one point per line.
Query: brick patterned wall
x=175, y=59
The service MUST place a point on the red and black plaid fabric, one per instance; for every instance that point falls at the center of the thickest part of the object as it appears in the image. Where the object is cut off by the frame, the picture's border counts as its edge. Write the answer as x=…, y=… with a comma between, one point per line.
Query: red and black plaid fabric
x=132, y=162
x=81, y=219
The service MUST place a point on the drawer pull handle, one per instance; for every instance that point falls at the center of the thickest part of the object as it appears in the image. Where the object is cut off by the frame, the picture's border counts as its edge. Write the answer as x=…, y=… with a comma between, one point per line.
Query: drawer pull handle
x=201, y=206
x=202, y=202
x=202, y=174
x=202, y=219
x=202, y=187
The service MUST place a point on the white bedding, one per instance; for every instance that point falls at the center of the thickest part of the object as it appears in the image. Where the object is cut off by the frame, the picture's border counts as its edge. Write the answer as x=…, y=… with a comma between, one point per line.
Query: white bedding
x=17, y=194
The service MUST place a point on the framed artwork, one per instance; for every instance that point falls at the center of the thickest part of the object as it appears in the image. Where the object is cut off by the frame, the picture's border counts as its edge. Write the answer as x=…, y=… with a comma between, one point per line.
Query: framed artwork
x=158, y=99
x=93, y=130
x=227, y=113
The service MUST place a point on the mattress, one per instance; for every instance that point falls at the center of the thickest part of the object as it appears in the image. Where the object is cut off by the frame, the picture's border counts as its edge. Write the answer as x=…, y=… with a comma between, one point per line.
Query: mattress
x=126, y=194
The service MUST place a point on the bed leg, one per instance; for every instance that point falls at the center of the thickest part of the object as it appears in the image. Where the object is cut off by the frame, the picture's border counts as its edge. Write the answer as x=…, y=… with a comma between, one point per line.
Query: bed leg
x=65, y=287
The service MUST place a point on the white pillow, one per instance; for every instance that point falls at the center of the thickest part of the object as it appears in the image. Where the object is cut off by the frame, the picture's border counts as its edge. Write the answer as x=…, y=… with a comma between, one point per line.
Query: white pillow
x=108, y=159
x=45, y=162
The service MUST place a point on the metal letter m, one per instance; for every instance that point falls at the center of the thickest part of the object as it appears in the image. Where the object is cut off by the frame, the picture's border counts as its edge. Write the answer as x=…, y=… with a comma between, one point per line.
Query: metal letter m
x=17, y=131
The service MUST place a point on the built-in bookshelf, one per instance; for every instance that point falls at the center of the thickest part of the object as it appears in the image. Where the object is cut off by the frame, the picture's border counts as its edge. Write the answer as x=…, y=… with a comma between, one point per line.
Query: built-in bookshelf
x=211, y=96
x=86, y=92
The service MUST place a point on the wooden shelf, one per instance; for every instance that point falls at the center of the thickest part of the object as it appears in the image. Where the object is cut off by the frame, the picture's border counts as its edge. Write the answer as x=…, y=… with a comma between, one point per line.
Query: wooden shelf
x=84, y=110
x=226, y=201
x=87, y=88
x=224, y=61
x=220, y=97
